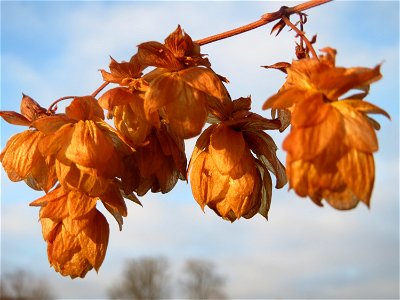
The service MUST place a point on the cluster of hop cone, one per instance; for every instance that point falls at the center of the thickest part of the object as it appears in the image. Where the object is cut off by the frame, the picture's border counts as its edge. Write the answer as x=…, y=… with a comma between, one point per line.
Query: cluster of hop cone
x=78, y=159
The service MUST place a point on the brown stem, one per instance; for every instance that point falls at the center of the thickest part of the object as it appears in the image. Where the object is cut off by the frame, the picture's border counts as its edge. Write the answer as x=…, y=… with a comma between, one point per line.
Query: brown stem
x=302, y=35
x=265, y=19
x=100, y=88
x=51, y=109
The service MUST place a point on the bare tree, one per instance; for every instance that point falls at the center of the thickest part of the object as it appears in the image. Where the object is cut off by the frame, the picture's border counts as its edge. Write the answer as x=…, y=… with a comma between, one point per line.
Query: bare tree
x=22, y=285
x=144, y=278
x=201, y=281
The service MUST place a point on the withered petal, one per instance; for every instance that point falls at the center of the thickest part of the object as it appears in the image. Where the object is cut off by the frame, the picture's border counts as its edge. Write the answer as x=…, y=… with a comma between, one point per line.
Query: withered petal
x=42, y=175
x=265, y=148
x=118, y=96
x=266, y=191
x=79, y=204
x=365, y=107
x=51, y=144
x=94, y=240
x=89, y=146
x=359, y=133
x=307, y=142
x=358, y=171
x=31, y=109
x=310, y=111
x=343, y=199
x=84, y=108
x=228, y=150
x=157, y=55
x=286, y=98
x=21, y=154
x=185, y=107
x=121, y=71
x=132, y=125
x=49, y=229
x=337, y=81
x=114, y=199
x=202, y=142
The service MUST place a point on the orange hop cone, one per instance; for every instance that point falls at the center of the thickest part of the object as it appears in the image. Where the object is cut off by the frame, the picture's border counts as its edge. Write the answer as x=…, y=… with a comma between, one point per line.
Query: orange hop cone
x=83, y=145
x=75, y=232
x=74, y=247
x=330, y=145
x=226, y=178
x=182, y=98
x=127, y=109
x=224, y=174
x=182, y=88
x=21, y=158
x=126, y=103
x=161, y=161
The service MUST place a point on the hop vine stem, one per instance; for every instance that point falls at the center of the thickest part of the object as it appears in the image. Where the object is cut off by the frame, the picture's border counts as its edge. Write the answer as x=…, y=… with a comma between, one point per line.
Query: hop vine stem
x=264, y=20
x=53, y=106
x=300, y=33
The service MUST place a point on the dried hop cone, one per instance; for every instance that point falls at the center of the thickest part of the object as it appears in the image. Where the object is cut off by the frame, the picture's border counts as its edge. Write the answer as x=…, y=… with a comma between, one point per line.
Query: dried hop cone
x=159, y=159
x=181, y=87
x=330, y=145
x=75, y=231
x=225, y=175
x=83, y=145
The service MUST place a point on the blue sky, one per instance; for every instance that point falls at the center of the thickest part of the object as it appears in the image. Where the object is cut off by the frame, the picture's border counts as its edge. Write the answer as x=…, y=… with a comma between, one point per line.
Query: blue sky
x=54, y=49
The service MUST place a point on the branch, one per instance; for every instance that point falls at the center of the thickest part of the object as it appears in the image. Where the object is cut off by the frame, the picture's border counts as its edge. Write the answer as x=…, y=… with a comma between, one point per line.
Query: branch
x=53, y=107
x=265, y=19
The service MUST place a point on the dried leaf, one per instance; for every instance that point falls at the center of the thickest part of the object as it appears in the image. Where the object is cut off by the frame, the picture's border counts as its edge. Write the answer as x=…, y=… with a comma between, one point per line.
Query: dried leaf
x=281, y=66
x=31, y=109
x=14, y=118
x=278, y=27
x=120, y=72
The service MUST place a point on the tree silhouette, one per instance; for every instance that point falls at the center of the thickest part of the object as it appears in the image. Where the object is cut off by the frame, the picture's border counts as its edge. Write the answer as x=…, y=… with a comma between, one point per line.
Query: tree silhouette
x=144, y=278
x=22, y=285
x=201, y=281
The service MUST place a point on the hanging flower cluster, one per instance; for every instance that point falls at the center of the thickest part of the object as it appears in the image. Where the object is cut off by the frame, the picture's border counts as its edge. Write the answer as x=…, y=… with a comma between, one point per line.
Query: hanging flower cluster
x=166, y=93
x=331, y=141
x=230, y=179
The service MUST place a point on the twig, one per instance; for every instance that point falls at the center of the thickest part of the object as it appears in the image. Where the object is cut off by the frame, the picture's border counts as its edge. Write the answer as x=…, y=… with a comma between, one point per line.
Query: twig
x=265, y=19
x=302, y=35
x=54, y=104
x=100, y=88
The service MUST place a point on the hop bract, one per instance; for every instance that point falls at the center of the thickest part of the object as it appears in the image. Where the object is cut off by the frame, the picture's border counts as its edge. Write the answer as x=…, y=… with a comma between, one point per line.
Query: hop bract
x=330, y=145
